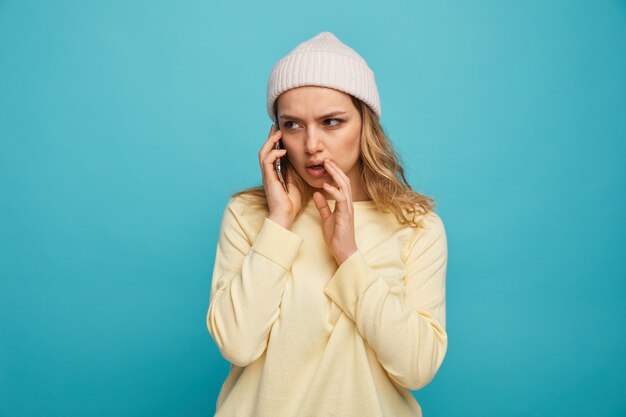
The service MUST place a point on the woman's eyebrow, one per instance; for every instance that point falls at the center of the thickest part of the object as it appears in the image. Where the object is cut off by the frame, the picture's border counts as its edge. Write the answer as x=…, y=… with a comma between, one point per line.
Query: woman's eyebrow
x=326, y=116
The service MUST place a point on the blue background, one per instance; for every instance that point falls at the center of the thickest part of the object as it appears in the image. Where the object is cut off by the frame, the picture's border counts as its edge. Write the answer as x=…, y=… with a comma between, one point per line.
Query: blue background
x=125, y=126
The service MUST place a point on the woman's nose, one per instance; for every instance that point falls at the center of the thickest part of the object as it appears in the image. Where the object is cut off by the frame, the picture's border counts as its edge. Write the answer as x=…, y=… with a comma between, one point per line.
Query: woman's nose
x=313, y=142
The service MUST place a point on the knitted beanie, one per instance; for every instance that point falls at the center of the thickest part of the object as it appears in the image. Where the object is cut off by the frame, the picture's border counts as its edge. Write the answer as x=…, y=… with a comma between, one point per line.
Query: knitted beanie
x=323, y=61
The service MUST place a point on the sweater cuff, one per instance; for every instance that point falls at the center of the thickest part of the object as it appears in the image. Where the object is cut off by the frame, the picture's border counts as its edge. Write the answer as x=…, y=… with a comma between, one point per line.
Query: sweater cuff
x=277, y=244
x=352, y=279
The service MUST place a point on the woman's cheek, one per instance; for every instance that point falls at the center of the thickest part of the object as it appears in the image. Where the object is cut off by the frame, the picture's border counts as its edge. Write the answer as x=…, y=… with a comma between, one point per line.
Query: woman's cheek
x=292, y=150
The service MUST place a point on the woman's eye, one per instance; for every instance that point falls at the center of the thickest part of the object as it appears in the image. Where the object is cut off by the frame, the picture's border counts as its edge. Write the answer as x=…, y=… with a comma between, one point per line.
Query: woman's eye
x=333, y=122
x=290, y=125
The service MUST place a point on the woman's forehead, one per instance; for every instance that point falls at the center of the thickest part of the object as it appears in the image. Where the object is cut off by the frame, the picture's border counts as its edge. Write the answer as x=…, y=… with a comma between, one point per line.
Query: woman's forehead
x=313, y=101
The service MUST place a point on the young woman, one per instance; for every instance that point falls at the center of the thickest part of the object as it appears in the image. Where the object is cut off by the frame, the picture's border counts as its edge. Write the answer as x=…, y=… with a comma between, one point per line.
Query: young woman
x=328, y=293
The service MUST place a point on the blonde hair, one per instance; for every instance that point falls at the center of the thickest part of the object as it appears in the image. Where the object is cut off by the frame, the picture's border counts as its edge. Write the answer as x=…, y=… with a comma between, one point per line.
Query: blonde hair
x=381, y=172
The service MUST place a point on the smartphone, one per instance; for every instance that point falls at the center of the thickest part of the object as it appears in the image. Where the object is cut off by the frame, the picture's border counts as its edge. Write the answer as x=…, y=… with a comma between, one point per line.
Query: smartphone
x=281, y=163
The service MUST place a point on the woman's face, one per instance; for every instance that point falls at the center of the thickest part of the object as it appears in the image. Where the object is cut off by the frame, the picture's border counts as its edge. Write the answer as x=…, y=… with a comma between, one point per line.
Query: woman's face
x=319, y=123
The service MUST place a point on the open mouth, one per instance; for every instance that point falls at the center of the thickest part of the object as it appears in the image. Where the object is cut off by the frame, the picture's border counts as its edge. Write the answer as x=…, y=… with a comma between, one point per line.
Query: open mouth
x=316, y=169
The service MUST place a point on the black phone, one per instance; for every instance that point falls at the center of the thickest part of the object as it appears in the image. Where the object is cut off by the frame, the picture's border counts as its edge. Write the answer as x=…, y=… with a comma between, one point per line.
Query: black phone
x=281, y=163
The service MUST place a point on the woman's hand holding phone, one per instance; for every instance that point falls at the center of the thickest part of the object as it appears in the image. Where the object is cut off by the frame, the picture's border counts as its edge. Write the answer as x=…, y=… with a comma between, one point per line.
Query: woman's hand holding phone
x=283, y=206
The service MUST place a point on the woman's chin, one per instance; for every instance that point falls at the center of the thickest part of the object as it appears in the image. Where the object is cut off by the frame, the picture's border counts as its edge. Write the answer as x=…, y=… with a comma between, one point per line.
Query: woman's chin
x=316, y=183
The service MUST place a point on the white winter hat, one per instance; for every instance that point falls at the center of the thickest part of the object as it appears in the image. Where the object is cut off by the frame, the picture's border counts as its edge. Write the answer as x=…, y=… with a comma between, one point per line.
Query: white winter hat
x=323, y=61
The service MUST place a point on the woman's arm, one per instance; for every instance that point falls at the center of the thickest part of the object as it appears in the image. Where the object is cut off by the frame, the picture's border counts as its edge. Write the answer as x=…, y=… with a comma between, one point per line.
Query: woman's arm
x=249, y=278
x=247, y=287
x=408, y=335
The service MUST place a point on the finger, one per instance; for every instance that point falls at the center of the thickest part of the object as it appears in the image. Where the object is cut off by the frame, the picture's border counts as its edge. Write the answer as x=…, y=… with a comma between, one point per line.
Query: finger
x=271, y=157
x=270, y=143
x=322, y=206
x=340, y=178
x=268, y=171
x=344, y=179
x=337, y=194
x=343, y=183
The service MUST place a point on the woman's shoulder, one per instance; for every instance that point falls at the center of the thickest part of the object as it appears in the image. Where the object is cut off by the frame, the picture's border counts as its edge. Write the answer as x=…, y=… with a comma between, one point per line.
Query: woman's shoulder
x=430, y=231
x=416, y=221
x=430, y=225
x=432, y=221
x=245, y=213
x=245, y=206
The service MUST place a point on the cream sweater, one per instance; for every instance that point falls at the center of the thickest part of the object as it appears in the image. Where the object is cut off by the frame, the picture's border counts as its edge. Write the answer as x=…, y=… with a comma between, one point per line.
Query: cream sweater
x=308, y=338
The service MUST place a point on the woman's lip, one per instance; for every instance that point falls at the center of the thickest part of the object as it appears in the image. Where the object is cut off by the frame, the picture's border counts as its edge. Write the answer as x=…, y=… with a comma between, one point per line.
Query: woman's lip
x=316, y=172
x=314, y=163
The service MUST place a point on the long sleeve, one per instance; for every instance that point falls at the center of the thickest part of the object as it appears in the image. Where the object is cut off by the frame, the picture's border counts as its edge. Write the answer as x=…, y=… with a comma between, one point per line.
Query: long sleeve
x=407, y=334
x=248, y=282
